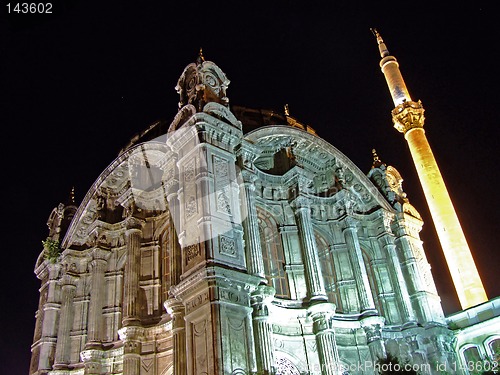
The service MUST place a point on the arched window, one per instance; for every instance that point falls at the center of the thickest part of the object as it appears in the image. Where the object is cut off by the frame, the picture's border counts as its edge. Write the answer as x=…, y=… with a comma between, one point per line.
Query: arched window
x=273, y=255
x=472, y=356
x=493, y=347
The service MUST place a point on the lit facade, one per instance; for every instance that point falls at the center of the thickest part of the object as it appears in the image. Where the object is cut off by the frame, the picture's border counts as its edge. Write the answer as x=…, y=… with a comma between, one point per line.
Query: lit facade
x=228, y=247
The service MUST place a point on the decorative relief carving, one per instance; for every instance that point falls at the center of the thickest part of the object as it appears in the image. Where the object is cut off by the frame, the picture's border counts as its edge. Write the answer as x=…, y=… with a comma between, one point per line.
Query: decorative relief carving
x=408, y=115
x=221, y=169
x=312, y=346
x=285, y=367
x=373, y=333
x=223, y=203
x=191, y=252
x=233, y=297
x=236, y=324
x=196, y=302
x=189, y=171
x=278, y=343
x=200, y=346
x=147, y=364
x=227, y=246
x=191, y=206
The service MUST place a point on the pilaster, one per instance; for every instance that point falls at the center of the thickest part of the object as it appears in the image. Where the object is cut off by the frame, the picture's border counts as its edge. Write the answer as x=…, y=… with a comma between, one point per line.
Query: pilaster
x=51, y=310
x=386, y=240
x=97, y=266
x=314, y=276
x=372, y=326
x=63, y=346
x=133, y=236
x=263, y=331
x=416, y=270
x=255, y=264
x=176, y=311
x=219, y=332
x=132, y=337
x=358, y=265
x=322, y=315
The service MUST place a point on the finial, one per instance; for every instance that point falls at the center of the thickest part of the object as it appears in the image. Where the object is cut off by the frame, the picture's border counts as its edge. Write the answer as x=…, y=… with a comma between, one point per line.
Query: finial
x=377, y=35
x=376, y=160
x=381, y=45
x=72, y=196
x=200, y=57
x=287, y=111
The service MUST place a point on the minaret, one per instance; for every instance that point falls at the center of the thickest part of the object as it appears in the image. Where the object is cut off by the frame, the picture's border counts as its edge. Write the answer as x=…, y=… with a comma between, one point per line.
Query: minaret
x=408, y=118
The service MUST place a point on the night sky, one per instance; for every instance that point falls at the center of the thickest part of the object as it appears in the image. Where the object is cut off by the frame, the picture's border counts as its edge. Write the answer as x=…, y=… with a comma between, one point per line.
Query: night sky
x=77, y=84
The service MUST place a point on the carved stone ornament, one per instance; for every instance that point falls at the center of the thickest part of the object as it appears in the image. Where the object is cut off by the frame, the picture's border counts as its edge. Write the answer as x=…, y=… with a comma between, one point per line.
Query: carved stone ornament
x=285, y=366
x=408, y=115
x=201, y=83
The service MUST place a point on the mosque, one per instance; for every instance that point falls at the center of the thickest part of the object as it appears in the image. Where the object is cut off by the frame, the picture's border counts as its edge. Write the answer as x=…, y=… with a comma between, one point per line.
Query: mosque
x=237, y=241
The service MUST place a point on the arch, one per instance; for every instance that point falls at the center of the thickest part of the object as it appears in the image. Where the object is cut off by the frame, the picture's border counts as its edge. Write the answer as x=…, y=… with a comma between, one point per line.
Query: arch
x=492, y=346
x=471, y=354
x=273, y=255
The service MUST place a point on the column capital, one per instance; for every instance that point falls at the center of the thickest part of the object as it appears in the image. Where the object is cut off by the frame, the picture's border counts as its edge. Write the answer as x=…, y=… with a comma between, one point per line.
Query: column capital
x=304, y=180
x=408, y=115
x=387, y=239
x=100, y=254
x=132, y=223
x=249, y=177
x=350, y=222
x=69, y=280
x=263, y=294
x=131, y=333
x=53, y=270
x=248, y=152
x=321, y=314
x=301, y=203
x=173, y=306
x=386, y=218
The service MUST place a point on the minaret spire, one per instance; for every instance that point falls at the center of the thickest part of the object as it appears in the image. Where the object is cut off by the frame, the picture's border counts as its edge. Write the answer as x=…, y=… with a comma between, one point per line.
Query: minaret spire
x=408, y=118
x=381, y=45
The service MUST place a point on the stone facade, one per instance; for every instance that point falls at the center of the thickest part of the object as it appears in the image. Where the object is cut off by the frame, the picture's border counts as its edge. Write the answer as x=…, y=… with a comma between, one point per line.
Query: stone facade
x=210, y=250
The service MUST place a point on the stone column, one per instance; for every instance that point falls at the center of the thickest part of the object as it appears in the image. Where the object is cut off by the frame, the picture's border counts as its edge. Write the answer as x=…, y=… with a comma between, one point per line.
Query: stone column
x=131, y=277
x=321, y=315
x=416, y=269
x=358, y=265
x=387, y=242
x=132, y=347
x=373, y=329
x=255, y=264
x=51, y=308
x=314, y=276
x=263, y=331
x=402, y=241
x=177, y=312
x=95, y=327
x=63, y=346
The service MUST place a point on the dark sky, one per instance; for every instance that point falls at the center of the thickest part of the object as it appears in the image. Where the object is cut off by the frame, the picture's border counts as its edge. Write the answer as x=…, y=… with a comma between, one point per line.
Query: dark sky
x=77, y=84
